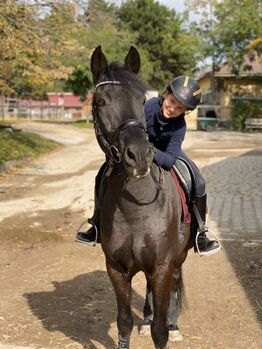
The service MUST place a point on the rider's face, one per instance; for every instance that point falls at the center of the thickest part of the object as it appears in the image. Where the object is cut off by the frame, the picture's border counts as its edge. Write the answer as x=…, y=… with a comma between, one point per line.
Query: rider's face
x=172, y=107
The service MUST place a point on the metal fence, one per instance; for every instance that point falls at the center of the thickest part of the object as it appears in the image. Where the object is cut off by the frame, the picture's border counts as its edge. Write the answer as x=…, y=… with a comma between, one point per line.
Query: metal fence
x=15, y=108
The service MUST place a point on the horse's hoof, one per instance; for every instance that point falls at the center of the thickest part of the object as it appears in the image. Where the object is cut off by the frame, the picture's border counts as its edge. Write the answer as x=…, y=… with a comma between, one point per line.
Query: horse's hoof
x=175, y=336
x=145, y=331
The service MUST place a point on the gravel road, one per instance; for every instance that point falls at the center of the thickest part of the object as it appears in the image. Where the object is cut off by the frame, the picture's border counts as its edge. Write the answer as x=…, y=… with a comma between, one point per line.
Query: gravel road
x=56, y=294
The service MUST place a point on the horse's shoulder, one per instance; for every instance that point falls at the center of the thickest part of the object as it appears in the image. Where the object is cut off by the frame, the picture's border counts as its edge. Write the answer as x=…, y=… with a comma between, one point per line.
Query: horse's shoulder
x=157, y=170
x=163, y=177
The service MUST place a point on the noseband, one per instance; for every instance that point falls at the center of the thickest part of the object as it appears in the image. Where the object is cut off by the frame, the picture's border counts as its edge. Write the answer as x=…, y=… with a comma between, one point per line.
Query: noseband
x=111, y=150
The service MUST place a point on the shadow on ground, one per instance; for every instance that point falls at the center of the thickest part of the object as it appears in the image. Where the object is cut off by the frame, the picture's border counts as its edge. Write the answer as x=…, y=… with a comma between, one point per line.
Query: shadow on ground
x=246, y=262
x=77, y=308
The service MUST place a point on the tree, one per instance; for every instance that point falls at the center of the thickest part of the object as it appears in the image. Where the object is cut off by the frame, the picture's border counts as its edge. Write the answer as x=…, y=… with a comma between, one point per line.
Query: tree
x=227, y=27
x=255, y=47
x=157, y=31
x=26, y=67
x=101, y=18
x=243, y=19
x=69, y=36
x=46, y=46
x=97, y=28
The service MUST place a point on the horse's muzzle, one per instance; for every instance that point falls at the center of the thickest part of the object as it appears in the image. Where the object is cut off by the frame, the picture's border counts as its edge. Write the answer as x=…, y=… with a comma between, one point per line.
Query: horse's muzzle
x=136, y=175
x=138, y=159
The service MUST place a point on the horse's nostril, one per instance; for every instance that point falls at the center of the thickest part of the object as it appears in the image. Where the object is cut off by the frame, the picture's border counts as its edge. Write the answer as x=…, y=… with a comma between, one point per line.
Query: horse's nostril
x=131, y=154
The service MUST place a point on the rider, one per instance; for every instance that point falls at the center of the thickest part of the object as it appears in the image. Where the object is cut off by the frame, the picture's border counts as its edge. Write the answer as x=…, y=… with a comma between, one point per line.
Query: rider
x=166, y=127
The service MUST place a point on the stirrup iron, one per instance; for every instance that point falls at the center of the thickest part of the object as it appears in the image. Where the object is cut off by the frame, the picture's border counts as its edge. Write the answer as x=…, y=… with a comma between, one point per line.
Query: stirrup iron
x=208, y=253
x=203, y=229
x=91, y=222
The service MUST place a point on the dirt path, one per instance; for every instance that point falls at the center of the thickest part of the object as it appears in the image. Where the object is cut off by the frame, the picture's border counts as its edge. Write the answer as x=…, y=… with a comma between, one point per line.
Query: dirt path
x=56, y=294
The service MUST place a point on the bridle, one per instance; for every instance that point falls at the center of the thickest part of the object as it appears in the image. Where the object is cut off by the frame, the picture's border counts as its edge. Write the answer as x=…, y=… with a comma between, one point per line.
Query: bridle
x=111, y=150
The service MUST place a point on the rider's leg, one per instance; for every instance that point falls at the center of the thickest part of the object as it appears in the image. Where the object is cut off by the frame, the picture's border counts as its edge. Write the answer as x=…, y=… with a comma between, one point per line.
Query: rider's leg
x=91, y=236
x=205, y=245
x=173, y=312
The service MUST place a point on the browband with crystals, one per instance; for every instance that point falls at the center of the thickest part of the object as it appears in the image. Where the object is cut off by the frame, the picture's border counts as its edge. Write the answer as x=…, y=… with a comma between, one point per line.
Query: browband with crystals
x=112, y=82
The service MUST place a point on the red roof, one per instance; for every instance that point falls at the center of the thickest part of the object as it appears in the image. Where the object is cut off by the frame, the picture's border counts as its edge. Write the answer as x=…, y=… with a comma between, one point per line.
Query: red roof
x=27, y=103
x=66, y=100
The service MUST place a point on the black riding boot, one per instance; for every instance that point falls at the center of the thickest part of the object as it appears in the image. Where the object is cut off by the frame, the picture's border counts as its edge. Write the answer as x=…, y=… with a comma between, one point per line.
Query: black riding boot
x=92, y=235
x=203, y=245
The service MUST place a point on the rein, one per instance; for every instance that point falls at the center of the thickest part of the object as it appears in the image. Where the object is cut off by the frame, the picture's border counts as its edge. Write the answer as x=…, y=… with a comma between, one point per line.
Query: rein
x=111, y=150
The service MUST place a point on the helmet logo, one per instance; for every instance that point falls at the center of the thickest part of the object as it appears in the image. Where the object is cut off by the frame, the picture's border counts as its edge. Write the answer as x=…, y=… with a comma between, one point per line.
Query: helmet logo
x=186, y=81
x=197, y=92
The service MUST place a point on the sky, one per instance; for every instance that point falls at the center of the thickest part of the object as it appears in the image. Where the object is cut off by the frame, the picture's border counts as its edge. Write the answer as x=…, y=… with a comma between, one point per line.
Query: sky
x=178, y=5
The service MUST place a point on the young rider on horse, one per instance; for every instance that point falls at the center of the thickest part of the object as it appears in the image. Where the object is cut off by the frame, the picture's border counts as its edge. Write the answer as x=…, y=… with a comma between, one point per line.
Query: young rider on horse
x=166, y=127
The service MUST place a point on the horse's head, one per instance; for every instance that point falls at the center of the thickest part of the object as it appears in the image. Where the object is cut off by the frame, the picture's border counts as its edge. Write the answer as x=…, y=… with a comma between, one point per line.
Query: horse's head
x=118, y=112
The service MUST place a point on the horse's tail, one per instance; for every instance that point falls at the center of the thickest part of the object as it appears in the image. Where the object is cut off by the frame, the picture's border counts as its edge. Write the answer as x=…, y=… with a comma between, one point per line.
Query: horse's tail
x=181, y=294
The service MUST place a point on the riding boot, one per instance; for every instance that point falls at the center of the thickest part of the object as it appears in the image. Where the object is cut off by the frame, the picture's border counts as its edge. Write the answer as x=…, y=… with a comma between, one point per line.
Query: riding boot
x=203, y=245
x=92, y=235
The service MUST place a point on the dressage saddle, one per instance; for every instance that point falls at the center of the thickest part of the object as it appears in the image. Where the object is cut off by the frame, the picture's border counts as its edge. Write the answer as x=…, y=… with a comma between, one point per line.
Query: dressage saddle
x=185, y=176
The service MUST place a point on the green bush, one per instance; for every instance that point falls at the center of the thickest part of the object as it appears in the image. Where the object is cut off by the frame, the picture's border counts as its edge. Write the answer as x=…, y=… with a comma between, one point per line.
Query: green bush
x=245, y=109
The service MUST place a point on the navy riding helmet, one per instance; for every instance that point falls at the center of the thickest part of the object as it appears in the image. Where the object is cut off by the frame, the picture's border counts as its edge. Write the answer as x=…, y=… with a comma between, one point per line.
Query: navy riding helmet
x=187, y=90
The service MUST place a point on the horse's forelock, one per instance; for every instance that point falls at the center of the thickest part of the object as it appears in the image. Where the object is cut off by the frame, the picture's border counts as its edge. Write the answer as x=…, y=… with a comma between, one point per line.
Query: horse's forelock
x=128, y=79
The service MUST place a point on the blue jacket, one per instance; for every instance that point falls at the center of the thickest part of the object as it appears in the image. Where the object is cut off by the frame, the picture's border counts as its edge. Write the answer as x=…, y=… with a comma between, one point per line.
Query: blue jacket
x=166, y=135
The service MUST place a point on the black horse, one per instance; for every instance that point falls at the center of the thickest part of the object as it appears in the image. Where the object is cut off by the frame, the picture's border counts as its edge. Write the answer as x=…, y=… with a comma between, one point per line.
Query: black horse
x=140, y=220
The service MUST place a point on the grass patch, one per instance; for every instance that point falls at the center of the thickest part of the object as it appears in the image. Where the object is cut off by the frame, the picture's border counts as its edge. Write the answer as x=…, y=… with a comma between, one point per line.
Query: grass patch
x=83, y=124
x=13, y=121
x=23, y=145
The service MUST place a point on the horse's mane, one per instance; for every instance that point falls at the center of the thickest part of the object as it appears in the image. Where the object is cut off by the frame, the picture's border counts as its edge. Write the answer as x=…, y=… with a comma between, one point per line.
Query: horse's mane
x=127, y=78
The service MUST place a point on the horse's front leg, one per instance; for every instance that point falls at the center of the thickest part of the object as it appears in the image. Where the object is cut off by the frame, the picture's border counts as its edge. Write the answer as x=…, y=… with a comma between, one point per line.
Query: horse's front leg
x=123, y=291
x=161, y=286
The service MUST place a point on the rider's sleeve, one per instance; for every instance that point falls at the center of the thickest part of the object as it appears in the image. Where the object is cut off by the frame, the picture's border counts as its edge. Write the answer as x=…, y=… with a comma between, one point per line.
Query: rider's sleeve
x=167, y=158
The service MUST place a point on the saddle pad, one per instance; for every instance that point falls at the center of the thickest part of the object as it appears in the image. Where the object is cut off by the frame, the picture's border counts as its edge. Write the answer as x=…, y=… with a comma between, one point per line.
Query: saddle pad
x=186, y=214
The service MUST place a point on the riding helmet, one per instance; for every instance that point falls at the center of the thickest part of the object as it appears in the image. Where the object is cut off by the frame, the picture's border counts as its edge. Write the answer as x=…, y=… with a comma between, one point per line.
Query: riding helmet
x=186, y=90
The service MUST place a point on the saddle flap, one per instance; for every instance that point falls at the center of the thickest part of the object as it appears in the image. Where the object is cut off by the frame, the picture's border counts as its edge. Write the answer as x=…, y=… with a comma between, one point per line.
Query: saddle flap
x=186, y=216
x=184, y=176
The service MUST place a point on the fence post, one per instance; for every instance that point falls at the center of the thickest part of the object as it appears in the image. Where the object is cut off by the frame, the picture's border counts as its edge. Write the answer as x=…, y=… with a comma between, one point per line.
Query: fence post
x=3, y=107
x=41, y=110
x=30, y=108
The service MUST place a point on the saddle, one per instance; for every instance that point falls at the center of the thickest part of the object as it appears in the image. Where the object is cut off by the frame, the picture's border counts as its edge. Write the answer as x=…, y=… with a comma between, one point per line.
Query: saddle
x=185, y=176
x=184, y=179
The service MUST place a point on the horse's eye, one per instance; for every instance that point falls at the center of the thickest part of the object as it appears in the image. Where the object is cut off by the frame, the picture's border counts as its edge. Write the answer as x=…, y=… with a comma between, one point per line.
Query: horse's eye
x=101, y=102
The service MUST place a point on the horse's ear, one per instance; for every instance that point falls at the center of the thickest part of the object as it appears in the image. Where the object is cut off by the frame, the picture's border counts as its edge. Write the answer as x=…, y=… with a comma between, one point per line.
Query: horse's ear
x=98, y=63
x=132, y=61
